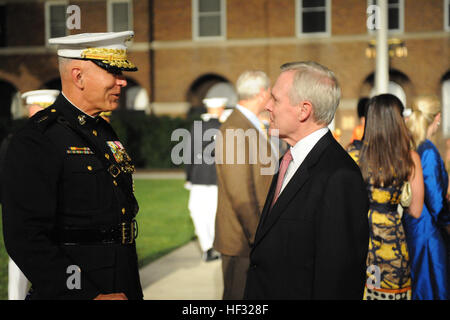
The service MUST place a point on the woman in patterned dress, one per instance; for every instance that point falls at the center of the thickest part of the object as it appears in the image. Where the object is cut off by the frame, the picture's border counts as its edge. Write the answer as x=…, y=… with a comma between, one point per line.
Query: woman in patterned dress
x=387, y=162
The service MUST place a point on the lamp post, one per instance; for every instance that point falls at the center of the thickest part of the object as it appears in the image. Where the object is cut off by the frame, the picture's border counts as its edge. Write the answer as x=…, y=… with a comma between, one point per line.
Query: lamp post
x=382, y=54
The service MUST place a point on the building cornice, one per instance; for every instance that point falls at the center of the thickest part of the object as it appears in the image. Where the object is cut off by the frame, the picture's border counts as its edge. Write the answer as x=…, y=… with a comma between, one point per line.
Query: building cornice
x=189, y=44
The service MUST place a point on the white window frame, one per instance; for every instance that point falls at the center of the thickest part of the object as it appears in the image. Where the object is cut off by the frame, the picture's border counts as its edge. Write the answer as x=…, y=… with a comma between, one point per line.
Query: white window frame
x=401, y=17
x=195, y=22
x=446, y=108
x=446, y=17
x=48, y=4
x=299, y=23
x=109, y=14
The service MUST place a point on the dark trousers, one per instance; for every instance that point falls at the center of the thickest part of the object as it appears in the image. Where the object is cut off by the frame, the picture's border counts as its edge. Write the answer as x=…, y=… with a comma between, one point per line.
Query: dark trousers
x=234, y=271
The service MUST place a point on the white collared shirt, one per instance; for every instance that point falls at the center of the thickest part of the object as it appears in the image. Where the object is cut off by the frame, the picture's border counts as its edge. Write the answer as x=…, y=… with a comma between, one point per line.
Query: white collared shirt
x=258, y=124
x=251, y=117
x=299, y=152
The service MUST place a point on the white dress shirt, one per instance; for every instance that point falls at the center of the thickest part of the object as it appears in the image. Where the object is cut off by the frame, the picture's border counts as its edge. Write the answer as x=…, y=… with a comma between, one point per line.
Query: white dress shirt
x=258, y=124
x=300, y=151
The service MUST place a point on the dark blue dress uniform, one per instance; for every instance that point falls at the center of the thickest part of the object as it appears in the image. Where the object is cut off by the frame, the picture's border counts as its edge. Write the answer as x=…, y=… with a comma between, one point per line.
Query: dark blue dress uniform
x=197, y=170
x=68, y=202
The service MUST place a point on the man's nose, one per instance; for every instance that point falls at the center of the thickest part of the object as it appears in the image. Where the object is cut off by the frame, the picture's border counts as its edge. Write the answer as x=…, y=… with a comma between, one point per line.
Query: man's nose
x=268, y=105
x=121, y=81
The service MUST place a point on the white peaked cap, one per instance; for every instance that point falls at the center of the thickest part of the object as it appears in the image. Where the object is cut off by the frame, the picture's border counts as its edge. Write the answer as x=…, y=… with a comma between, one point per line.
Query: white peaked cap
x=215, y=102
x=108, y=48
x=41, y=97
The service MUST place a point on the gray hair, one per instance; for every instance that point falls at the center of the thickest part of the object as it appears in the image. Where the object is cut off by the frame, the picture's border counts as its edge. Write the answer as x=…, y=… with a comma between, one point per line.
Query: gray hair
x=316, y=84
x=250, y=83
x=62, y=63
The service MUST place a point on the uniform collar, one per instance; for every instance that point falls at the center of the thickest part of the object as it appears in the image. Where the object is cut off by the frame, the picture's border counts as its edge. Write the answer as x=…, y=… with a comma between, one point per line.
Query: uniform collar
x=77, y=116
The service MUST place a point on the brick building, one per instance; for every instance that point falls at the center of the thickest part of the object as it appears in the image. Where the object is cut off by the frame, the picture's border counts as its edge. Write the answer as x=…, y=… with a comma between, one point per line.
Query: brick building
x=183, y=47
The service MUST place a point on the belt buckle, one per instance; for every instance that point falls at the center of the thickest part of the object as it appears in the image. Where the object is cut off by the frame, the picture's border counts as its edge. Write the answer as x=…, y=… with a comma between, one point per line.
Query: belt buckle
x=124, y=225
x=114, y=170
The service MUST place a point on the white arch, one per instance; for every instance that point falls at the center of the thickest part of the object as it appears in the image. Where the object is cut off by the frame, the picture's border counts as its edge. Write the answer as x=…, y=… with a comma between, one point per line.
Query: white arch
x=395, y=89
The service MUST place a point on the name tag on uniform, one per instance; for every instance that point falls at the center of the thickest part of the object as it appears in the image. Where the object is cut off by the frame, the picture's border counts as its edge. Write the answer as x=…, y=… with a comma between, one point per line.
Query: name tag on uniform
x=79, y=150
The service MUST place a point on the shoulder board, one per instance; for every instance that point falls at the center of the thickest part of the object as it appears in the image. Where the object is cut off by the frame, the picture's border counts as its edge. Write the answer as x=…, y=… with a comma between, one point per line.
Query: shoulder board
x=43, y=119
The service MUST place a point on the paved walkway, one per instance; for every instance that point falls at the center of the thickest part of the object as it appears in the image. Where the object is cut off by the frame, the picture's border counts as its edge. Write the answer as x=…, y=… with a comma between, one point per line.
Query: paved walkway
x=182, y=275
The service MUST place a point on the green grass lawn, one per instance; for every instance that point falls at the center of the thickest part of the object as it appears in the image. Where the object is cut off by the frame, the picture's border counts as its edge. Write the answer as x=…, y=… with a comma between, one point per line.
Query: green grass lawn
x=164, y=223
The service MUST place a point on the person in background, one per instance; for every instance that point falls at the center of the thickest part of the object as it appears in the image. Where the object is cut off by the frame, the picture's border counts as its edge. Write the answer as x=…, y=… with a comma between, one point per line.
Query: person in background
x=426, y=245
x=388, y=163
x=35, y=101
x=358, y=132
x=311, y=240
x=243, y=185
x=201, y=177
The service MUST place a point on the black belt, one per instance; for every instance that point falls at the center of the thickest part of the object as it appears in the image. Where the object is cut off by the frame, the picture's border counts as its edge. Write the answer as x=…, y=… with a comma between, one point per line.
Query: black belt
x=124, y=233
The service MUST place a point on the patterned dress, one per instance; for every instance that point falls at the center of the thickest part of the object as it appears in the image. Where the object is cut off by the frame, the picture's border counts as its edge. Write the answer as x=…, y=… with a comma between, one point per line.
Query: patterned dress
x=388, y=269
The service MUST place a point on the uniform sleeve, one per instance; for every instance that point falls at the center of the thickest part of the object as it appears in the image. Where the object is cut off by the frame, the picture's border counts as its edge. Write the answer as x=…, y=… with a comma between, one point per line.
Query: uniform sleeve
x=29, y=194
x=436, y=182
x=342, y=236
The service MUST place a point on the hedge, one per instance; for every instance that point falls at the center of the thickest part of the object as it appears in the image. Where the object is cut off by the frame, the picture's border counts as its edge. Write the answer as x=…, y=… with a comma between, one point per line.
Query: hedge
x=146, y=138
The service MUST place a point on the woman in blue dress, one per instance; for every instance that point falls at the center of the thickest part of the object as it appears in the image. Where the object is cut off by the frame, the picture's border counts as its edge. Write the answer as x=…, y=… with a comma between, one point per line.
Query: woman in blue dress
x=423, y=235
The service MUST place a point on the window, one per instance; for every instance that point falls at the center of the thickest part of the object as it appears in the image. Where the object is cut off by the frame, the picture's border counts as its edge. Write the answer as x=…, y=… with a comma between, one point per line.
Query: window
x=447, y=15
x=2, y=25
x=55, y=19
x=120, y=15
x=209, y=19
x=446, y=106
x=395, y=14
x=313, y=17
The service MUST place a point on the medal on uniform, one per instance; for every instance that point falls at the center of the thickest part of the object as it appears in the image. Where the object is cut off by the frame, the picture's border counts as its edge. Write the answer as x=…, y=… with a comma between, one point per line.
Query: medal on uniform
x=121, y=156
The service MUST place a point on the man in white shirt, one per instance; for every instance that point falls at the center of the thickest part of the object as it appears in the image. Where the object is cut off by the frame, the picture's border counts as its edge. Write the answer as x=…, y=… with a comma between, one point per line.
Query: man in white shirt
x=311, y=242
x=242, y=185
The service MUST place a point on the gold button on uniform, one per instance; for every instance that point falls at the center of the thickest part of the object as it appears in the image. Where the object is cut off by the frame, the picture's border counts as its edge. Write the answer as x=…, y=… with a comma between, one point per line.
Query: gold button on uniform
x=89, y=168
x=94, y=132
x=115, y=182
x=107, y=156
x=123, y=210
x=53, y=110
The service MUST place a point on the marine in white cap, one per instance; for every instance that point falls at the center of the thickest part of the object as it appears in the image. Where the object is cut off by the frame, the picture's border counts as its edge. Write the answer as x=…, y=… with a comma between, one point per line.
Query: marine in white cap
x=35, y=101
x=201, y=178
x=74, y=236
x=38, y=100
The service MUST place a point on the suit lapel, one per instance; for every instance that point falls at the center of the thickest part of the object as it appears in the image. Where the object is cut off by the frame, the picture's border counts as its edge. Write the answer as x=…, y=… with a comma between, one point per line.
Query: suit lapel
x=269, y=217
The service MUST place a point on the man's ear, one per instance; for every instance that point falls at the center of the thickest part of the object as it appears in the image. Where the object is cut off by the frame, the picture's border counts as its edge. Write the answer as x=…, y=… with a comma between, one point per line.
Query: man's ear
x=304, y=110
x=77, y=77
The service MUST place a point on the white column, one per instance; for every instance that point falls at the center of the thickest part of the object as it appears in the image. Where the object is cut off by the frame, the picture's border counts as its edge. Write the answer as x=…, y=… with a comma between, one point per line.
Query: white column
x=382, y=56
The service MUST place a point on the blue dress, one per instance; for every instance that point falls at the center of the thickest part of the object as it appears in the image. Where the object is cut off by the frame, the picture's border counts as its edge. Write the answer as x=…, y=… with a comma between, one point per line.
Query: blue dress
x=425, y=243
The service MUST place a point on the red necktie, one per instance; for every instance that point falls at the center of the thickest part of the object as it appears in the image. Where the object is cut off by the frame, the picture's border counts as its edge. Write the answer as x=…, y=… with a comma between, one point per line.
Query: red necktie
x=287, y=158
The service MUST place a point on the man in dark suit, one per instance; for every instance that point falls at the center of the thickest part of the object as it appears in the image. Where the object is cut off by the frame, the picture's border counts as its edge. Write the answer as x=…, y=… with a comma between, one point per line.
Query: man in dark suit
x=243, y=185
x=311, y=242
x=67, y=190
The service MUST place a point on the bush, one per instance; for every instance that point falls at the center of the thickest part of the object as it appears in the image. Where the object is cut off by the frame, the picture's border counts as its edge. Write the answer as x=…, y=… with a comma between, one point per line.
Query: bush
x=146, y=138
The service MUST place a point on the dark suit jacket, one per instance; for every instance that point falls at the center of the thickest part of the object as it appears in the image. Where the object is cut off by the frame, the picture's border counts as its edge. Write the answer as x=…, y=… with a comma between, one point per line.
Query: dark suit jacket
x=47, y=189
x=313, y=243
x=242, y=188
